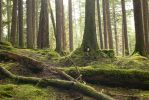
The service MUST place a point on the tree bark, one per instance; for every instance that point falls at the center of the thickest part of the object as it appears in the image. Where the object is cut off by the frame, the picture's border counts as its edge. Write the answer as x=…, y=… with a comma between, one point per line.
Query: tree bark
x=124, y=29
x=20, y=23
x=1, y=20
x=89, y=42
x=14, y=23
x=9, y=19
x=70, y=26
x=110, y=35
x=43, y=35
x=140, y=46
x=100, y=27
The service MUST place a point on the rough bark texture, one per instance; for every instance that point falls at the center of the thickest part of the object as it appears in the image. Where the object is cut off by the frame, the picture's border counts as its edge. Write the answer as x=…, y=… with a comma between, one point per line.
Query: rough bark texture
x=59, y=30
x=20, y=23
x=99, y=23
x=9, y=18
x=30, y=43
x=43, y=35
x=0, y=20
x=124, y=29
x=77, y=86
x=90, y=38
x=140, y=46
x=109, y=30
x=14, y=23
x=105, y=25
x=70, y=26
x=115, y=27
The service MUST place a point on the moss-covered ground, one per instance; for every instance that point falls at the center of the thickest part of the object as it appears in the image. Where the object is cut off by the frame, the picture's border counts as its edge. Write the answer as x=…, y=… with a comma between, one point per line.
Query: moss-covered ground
x=84, y=61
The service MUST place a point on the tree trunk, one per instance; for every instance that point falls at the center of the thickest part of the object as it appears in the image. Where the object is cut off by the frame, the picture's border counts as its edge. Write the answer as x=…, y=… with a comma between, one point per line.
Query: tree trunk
x=14, y=23
x=29, y=25
x=63, y=28
x=43, y=35
x=100, y=27
x=105, y=24
x=70, y=26
x=124, y=29
x=139, y=28
x=8, y=18
x=52, y=18
x=59, y=30
x=110, y=37
x=1, y=20
x=20, y=23
x=115, y=28
x=89, y=42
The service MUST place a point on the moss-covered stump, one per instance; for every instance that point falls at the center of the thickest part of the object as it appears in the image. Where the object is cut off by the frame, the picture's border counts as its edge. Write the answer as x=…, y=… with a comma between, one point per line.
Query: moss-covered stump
x=77, y=86
x=113, y=77
x=5, y=46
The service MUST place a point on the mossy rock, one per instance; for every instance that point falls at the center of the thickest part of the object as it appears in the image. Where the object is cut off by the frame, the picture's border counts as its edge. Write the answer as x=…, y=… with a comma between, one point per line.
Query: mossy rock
x=109, y=53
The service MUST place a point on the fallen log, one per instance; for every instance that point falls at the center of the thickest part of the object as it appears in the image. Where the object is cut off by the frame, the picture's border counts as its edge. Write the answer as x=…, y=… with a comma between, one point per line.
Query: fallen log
x=32, y=64
x=77, y=86
x=113, y=77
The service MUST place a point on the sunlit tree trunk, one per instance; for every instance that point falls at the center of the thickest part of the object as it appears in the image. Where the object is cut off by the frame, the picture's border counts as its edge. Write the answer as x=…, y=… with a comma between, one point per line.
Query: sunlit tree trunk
x=63, y=28
x=115, y=27
x=110, y=35
x=124, y=29
x=100, y=27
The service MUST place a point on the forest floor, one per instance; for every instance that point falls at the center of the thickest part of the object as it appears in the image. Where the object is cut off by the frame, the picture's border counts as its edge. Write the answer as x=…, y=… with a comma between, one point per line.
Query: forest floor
x=11, y=91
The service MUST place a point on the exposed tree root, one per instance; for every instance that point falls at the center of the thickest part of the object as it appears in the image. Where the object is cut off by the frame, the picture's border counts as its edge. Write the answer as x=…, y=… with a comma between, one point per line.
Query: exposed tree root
x=113, y=77
x=77, y=86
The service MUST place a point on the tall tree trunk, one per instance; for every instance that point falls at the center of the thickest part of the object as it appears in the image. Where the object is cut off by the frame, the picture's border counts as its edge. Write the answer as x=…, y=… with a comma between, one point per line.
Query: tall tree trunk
x=0, y=20
x=100, y=27
x=105, y=24
x=115, y=27
x=29, y=25
x=70, y=26
x=140, y=40
x=90, y=39
x=14, y=23
x=8, y=18
x=110, y=37
x=52, y=18
x=20, y=23
x=63, y=28
x=43, y=35
x=146, y=22
x=34, y=22
x=59, y=30
x=124, y=29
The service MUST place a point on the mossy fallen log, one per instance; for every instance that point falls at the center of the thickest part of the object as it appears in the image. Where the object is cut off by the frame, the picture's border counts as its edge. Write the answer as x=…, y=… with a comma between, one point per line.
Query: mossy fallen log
x=32, y=64
x=113, y=77
x=77, y=86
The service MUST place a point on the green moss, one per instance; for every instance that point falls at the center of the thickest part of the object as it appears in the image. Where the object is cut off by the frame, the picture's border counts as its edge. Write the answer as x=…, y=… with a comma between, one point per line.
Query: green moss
x=5, y=46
